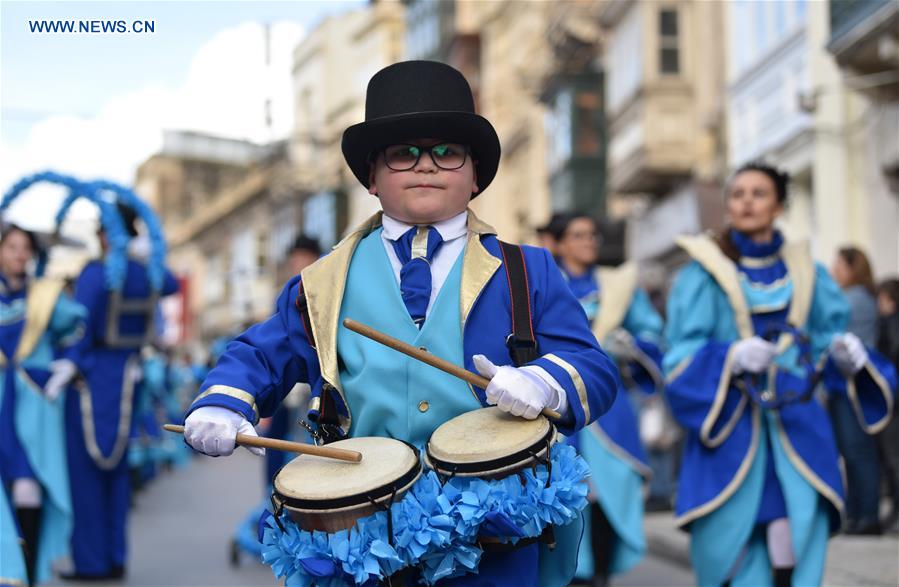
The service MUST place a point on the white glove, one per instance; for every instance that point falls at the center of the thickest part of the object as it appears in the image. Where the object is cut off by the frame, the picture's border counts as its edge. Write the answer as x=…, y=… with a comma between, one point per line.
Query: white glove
x=62, y=372
x=848, y=353
x=213, y=429
x=620, y=344
x=753, y=355
x=517, y=390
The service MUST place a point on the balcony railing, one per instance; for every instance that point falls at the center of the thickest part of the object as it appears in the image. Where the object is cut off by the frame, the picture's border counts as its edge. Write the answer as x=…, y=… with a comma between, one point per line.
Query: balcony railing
x=846, y=14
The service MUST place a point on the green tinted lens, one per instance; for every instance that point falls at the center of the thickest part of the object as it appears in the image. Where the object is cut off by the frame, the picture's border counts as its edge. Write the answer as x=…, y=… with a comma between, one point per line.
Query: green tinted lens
x=401, y=156
x=449, y=155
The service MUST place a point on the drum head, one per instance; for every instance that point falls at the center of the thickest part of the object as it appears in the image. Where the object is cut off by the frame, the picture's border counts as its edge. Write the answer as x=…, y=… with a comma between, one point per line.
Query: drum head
x=488, y=441
x=314, y=483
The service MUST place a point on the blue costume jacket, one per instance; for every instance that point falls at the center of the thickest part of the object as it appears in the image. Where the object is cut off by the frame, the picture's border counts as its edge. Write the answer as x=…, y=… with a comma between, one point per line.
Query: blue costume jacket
x=611, y=445
x=744, y=464
x=35, y=324
x=99, y=415
x=260, y=367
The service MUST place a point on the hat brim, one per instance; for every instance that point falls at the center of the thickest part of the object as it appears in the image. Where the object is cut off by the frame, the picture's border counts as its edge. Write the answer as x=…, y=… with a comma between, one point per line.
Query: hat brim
x=360, y=140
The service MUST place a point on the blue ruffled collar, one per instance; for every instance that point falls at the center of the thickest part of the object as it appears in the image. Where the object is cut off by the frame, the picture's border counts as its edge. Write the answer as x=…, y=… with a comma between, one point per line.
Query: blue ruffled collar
x=753, y=250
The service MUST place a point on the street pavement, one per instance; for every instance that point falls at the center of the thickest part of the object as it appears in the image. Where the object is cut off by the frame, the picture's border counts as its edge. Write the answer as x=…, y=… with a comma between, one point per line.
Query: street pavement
x=851, y=560
x=181, y=527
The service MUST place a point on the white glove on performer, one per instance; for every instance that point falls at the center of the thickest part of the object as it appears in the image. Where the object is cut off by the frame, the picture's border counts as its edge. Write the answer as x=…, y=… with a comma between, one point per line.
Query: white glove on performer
x=519, y=391
x=213, y=429
x=63, y=370
x=753, y=354
x=848, y=353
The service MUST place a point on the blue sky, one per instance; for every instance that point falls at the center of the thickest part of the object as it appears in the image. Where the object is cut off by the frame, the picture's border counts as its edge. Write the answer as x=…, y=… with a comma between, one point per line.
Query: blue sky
x=75, y=74
x=95, y=105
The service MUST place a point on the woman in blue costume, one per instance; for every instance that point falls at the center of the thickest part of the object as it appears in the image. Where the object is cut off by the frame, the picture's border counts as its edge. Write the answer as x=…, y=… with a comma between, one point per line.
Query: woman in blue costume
x=753, y=324
x=630, y=329
x=36, y=320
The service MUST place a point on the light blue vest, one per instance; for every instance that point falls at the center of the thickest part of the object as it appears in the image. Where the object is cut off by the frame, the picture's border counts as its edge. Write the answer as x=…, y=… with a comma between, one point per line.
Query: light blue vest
x=390, y=394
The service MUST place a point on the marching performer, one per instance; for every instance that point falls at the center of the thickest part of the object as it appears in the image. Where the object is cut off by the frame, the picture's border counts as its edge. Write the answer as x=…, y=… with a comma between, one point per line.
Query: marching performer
x=425, y=270
x=36, y=321
x=753, y=323
x=99, y=415
x=630, y=330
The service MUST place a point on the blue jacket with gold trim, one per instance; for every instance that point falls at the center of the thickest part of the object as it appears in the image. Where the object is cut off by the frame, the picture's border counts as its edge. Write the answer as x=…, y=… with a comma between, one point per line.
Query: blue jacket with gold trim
x=261, y=365
x=707, y=312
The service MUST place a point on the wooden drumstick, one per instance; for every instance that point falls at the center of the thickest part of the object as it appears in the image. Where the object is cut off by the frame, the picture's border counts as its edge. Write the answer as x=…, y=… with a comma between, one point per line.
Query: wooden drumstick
x=298, y=447
x=428, y=358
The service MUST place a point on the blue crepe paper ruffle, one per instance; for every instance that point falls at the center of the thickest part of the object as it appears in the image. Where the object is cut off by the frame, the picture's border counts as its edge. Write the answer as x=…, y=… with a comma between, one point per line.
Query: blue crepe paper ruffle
x=435, y=527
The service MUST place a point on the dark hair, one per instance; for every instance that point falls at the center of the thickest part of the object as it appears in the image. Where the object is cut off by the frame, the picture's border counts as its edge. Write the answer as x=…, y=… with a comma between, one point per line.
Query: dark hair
x=305, y=243
x=129, y=218
x=890, y=288
x=551, y=226
x=8, y=229
x=560, y=223
x=779, y=178
x=859, y=268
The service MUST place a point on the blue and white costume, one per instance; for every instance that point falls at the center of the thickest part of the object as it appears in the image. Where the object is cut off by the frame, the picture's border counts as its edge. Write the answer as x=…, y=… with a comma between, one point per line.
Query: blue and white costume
x=611, y=445
x=36, y=322
x=745, y=465
x=377, y=392
x=99, y=416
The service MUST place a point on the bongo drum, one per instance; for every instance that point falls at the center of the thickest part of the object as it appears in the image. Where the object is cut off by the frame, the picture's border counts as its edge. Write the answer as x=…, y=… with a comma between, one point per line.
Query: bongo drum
x=330, y=495
x=490, y=444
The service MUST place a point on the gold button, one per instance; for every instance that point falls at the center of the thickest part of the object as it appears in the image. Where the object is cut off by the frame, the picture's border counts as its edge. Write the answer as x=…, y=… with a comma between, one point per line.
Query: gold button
x=423, y=406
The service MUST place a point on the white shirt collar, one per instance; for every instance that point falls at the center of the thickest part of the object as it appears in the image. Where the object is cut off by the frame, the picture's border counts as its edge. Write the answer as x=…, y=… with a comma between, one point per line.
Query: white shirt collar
x=449, y=229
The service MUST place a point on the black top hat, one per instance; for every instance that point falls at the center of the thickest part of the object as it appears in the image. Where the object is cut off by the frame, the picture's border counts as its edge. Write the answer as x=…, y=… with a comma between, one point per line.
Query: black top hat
x=415, y=100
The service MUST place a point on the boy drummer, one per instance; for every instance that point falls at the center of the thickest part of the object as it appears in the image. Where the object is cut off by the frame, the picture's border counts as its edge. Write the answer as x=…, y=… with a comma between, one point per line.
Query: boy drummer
x=427, y=271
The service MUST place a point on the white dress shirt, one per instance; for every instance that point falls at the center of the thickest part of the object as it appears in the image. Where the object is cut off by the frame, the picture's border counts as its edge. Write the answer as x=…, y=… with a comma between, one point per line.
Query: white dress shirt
x=452, y=231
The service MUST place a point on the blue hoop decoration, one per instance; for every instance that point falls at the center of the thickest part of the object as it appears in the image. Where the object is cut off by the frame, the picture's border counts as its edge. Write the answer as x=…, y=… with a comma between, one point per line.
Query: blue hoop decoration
x=751, y=384
x=115, y=229
x=156, y=264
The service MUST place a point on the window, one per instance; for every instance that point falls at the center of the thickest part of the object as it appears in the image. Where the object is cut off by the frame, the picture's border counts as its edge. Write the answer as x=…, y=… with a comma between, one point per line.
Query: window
x=669, y=52
x=558, y=128
x=625, y=71
x=586, y=114
x=261, y=251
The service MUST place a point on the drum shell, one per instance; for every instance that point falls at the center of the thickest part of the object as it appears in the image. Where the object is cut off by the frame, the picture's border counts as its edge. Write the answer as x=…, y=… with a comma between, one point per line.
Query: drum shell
x=336, y=519
x=522, y=453
x=328, y=495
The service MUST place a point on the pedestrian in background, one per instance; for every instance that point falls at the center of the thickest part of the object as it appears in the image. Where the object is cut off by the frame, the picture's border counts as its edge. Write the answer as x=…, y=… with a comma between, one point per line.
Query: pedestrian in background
x=888, y=440
x=751, y=320
x=546, y=234
x=630, y=330
x=36, y=320
x=852, y=271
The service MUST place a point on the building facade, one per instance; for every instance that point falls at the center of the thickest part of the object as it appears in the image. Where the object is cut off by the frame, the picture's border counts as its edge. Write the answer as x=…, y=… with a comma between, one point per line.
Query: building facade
x=864, y=40
x=229, y=212
x=331, y=69
x=790, y=104
x=664, y=111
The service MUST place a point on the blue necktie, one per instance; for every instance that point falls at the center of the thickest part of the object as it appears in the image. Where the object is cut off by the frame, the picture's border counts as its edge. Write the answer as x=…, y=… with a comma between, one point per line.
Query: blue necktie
x=415, y=250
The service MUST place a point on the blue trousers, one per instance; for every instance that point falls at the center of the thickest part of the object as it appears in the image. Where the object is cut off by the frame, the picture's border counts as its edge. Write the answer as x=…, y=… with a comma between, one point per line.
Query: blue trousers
x=100, y=501
x=860, y=456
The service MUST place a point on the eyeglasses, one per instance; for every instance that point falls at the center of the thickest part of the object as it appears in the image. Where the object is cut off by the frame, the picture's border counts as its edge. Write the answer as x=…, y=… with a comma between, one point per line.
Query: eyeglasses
x=446, y=156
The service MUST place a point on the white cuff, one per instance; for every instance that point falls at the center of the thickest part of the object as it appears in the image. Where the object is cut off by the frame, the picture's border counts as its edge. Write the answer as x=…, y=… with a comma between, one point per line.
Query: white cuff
x=559, y=399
